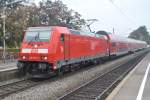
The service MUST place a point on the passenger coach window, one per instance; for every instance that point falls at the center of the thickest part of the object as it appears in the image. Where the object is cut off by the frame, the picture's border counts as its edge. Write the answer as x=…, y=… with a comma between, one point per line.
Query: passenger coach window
x=113, y=44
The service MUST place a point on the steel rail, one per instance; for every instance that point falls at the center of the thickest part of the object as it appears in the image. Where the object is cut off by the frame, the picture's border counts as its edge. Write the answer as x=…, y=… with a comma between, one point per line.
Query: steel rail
x=98, y=88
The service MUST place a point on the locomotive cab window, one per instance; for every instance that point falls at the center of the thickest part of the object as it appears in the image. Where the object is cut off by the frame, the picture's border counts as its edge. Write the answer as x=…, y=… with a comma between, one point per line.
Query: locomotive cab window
x=38, y=36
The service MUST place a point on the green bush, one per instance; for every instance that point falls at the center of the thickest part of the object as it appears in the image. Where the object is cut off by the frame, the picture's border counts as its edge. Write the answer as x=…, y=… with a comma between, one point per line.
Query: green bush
x=14, y=50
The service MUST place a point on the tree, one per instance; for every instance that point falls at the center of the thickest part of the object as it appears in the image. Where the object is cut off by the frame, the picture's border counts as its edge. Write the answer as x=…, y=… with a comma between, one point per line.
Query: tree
x=8, y=12
x=57, y=13
x=19, y=17
x=141, y=34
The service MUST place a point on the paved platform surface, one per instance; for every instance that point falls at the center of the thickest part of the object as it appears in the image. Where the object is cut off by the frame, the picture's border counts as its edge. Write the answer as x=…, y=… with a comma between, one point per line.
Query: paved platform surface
x=8, y=66
x=136, y=86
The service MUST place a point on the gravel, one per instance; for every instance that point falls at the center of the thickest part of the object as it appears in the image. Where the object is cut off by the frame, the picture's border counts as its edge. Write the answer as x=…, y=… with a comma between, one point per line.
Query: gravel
x=53, y=90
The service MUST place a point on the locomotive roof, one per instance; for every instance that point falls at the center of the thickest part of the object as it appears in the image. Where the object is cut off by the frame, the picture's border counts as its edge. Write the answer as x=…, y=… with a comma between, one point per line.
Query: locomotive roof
x=39, y=28
x=64, y=30
x=113, y=37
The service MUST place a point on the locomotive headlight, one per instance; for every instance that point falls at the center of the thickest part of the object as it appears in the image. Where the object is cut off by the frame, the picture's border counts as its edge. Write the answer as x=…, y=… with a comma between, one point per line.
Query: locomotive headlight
x=23, y=57
x=45, y=58
x=55, y=67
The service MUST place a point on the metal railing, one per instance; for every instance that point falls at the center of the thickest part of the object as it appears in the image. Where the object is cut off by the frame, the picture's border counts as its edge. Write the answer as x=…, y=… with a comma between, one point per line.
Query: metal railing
x=11, y=55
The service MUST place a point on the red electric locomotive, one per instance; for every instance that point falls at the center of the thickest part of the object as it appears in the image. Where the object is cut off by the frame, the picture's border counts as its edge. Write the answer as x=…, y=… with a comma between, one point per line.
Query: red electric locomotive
x=46, y=50
x=53, y=49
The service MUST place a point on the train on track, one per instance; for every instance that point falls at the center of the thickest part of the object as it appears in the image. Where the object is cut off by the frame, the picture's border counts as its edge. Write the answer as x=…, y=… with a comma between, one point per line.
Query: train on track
x=54, y=49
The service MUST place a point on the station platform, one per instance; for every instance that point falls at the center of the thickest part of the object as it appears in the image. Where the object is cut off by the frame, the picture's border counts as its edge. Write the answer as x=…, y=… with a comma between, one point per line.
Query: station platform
x=8, y=66
x=136, y=85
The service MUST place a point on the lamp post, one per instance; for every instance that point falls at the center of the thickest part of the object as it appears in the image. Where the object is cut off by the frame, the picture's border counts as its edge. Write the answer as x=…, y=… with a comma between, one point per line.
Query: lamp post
x=4, y=27
x=4, y=31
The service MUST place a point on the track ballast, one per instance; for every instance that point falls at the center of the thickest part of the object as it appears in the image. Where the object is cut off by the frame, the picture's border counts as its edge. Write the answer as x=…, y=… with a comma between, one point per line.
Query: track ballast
x=100, y=87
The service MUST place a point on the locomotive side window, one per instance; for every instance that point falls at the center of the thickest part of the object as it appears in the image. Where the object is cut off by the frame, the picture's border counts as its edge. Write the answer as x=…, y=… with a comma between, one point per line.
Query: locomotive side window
x=62, y=37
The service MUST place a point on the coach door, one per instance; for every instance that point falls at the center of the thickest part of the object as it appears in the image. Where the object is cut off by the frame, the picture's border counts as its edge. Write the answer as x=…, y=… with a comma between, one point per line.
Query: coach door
x=66, y=44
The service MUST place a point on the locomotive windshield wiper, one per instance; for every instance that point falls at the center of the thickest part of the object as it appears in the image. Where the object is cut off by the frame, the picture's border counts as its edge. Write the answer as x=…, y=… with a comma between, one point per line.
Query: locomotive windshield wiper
x=35, y=38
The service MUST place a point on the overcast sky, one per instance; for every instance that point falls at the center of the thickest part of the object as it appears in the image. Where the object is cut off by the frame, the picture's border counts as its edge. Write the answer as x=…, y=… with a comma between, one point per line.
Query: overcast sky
x=124, y=15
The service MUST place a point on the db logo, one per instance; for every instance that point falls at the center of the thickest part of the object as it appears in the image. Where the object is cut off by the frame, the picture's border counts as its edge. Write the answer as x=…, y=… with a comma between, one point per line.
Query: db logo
x=34, y=50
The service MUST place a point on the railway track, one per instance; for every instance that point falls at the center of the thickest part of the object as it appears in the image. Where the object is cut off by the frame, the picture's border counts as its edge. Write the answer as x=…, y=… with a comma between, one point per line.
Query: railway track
x=99, y=88
x=8, y=89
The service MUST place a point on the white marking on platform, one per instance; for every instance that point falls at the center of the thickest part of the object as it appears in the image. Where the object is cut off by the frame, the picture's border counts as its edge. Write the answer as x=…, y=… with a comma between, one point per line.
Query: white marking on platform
x=140, y=94
x=8, y=69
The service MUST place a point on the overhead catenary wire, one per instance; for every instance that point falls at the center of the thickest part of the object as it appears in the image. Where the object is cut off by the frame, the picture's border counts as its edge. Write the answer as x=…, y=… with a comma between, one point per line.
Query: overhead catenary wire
x=106, y=24
x=122, y=12
x=101, y=20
